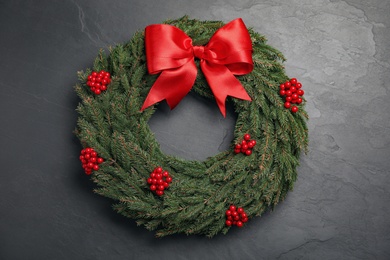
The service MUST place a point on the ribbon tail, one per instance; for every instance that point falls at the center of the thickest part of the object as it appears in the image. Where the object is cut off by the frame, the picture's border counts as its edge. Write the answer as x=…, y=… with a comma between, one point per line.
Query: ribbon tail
x=172, y=85
x=223, y=83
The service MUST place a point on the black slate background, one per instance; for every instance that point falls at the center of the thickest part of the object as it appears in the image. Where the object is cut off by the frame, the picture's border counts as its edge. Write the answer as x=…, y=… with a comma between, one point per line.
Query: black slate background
x=47, y=207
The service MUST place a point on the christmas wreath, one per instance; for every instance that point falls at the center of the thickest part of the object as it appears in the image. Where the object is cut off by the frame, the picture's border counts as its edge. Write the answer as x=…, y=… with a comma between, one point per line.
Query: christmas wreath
x=166, y=61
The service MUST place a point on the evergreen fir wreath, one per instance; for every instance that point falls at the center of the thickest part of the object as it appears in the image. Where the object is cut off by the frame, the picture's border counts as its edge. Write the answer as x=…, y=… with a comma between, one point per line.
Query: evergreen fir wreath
x=172, y=195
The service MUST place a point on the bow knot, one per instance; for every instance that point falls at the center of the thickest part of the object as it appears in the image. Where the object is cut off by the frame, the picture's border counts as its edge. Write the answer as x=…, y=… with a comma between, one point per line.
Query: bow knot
x=199, y=52
x=169, y=51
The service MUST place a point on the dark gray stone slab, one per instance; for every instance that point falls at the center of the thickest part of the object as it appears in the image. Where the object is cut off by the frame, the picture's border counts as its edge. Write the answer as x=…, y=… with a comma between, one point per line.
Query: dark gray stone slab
x=339, y=208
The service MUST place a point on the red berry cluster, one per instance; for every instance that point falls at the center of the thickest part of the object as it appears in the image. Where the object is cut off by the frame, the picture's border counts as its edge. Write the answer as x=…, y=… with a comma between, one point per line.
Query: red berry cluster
x=98, y=82
x=159, y=180
x=292, y=91
x=246, y=145
x=90, y=160
x=235, y=216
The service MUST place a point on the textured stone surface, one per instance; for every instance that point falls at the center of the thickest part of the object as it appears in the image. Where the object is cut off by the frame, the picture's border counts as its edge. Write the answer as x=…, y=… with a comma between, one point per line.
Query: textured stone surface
x=339, y=208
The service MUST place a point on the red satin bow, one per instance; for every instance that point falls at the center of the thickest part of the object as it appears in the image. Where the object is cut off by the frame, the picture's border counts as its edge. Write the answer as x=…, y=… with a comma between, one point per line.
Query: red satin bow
x=170, y=51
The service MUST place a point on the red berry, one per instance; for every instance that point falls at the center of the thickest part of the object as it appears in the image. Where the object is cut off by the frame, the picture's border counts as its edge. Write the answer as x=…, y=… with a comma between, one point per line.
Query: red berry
x=98, y=91
x=240, y=210
x=239, y=224
x=288, y=93
x=293, y=89
x=158, y=176
x=299, y=100
x=243, y=215
x=100, y=160
x=93, y=154
x=154, y=181
x=158, y=170
x=300, y=92
x=287, y=84
x=248, y=152
x=160, y=187
x=237, y=146
x=159, y=192
x=236, y=218
x=247, y=137
x=232, y=208
x=165, y=174
x=299, y=85
x=282, y=92
x=244, y=147
x=153, y=175
x=96, y=167
x=288, y=99
x=94, y=74
x=250, y=145
x=294, y=109
x=150, y=181
x=90, y=165
x=294, y=96
x=282, y=86
x=103, y=88
x=168, y=179
x=287, y=104
x=153, y=187
x=237, y=151
x=93, y=160
x=234, y=213
x=244, y=220
x=293, y=81
x=159, y=181
x=166, y=184
x=88, y=150
x=229, y=218
x=228, y=213
x=228, y=223
x=253, y=142
x=88, y=172
x=107, y=75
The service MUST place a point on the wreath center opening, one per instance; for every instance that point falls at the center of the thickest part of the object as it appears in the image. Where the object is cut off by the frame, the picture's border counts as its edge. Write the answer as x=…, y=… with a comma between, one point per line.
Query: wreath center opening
x=195, y=129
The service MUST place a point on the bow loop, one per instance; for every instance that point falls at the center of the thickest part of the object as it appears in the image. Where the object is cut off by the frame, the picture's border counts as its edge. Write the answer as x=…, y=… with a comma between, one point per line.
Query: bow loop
x=170, y=51
x=166, y=47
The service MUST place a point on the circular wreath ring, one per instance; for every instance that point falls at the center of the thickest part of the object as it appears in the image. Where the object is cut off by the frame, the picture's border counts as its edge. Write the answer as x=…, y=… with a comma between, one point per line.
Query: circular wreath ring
x=201, y=191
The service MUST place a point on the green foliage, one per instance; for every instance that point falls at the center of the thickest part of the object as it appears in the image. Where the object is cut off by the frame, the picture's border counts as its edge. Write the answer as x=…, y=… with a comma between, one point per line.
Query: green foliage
x=200, y=193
